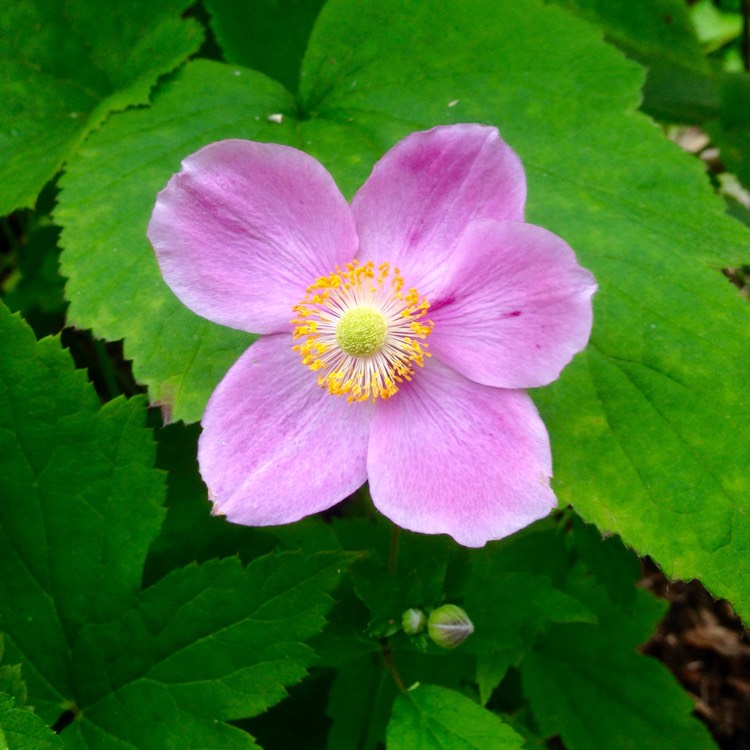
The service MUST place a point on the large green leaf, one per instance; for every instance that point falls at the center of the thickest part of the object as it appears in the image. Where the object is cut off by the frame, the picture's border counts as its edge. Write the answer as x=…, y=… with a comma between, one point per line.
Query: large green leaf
x=650, y=425
x=190, y=533
x=520, y=587
x=179, y=355
x=80, y=507
x=588, y=685
x=431, y=717
x=81, y=504
x=206, y=643
x=65, y=66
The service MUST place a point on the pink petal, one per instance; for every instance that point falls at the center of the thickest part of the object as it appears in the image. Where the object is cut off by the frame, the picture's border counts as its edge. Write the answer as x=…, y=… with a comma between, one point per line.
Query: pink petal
x=275, y=446
x=423, y=193
x=449, y=456
x=515, y=308
x=244, y=229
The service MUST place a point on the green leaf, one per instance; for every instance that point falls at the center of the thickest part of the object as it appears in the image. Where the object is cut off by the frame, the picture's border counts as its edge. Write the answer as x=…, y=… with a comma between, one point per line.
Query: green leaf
x=70, y=471
x=417, y=578
x=269, y=36
x=203, y=645
x=66, y=67
x=360, y=704
x=714, y=27
x=36, y=288
x=216, y=641
x=730, y=132
x=588, y=685
x=511, y=606
x=648, y=30
x=190, y=533
x=614, y=567
x=660, y=34
x=650, y=425
x=22, y=729
x=178, y=355
x=429, y=717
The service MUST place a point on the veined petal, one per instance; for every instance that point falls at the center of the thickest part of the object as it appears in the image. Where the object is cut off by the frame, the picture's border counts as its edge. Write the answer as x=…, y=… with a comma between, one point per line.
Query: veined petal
x=275, y=446
x=515, y=308
x=425, y=191
x=245, y=227
x=450, y=456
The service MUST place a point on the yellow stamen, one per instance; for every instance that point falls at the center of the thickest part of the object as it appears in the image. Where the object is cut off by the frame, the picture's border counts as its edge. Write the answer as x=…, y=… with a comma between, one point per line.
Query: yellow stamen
x=361, y=332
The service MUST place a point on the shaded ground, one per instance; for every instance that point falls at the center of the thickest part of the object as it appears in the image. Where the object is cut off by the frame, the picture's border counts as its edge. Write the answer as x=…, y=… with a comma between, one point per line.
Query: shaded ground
x=705, y=645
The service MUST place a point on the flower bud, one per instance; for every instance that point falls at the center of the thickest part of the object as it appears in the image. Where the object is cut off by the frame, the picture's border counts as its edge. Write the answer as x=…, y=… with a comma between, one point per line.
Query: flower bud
x=449, y=626
x=413, y=621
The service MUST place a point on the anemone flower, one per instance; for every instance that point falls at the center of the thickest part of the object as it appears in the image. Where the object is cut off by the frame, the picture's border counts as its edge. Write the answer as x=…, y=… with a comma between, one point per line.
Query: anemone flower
x=398, y=331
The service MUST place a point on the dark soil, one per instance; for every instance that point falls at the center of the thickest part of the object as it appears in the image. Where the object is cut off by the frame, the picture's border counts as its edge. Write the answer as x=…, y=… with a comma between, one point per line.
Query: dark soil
x=707, y=648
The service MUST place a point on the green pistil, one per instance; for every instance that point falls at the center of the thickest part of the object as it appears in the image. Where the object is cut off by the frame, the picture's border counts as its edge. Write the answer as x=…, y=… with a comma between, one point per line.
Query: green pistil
x=361, y=331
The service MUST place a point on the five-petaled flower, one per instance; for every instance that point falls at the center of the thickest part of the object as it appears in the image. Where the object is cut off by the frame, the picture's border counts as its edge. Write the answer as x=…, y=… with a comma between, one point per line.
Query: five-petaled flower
x=399, y=330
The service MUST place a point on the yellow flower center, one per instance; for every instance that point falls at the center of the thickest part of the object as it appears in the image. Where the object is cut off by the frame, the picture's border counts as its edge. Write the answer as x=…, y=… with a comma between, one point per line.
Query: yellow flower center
x=361, y=332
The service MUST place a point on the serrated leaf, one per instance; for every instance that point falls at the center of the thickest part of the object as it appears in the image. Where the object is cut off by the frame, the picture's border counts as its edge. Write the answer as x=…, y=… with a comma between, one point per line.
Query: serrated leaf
x=66, y=67
x=22, y=729
x=203, y=645
x=650, y=425
x=216, y=641
x=177, y=353
x=81, y=505
x=429, y=717
x=588, y=685
x=190, y=533
x=510, y=607
x=11, y=682
x=615, y=568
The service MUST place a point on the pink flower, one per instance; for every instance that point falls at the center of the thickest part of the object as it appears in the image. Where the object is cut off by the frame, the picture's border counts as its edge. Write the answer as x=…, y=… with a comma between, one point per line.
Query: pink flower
x=398, y=330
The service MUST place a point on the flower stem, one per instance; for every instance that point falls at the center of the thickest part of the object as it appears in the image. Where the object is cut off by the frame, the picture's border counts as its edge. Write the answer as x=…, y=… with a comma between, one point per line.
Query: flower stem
x=387, y=652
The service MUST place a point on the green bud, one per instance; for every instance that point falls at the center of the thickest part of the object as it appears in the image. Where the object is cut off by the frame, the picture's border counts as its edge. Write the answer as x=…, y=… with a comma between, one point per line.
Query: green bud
x=449, y=626
x=413, y=621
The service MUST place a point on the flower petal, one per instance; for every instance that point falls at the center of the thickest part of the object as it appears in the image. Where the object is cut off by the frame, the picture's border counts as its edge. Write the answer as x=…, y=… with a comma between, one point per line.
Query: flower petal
x=424, y=192
x=276, y=447
x=451, y=456
x=516, y=306
x=245, y=227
